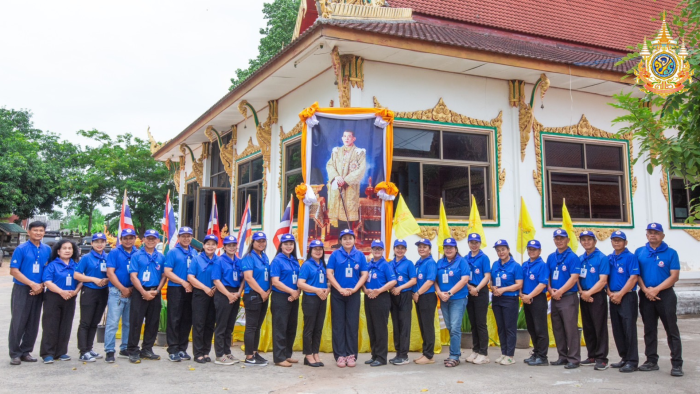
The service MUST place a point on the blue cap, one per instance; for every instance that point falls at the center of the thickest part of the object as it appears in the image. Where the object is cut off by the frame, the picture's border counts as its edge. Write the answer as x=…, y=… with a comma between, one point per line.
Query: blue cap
x=127, y=232
x=501, y=242
x=449, y=242
x=230, y=240
x=211, y=237
x=400, y=242
x=377, y=244
x=315, y=244
x=560, y=233
x=287, y=238
x=151, y=233
x=259, y=235
x=619, y=234
x=185, y=230
x=655, y=226
x=347, y=231
x=97, y=236
x=586, y=233
x=474, y=237
x=535, y=244
x=424, y=241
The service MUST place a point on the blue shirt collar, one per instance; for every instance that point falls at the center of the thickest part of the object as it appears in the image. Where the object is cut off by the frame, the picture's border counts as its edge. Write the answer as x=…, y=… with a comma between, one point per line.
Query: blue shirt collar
x=471, y=259
x=98, y=256
x=560, y=257
x=653, y=252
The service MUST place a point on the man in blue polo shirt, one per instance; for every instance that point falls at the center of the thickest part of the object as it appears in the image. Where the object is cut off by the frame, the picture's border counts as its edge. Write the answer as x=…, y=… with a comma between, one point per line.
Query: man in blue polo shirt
x=179, y=324
x=120, y=288
x=659, y=270
x=564, y=269
x=26, y=266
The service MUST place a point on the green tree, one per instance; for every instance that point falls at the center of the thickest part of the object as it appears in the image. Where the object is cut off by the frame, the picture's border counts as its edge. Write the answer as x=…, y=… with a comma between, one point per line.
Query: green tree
x=281, y=16
x=668, y=130
x=80, y=223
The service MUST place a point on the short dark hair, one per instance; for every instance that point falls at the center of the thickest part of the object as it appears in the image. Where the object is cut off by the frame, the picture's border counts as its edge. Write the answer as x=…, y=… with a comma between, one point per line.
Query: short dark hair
x=36, y=223
x=349, y=131
x=57, y=246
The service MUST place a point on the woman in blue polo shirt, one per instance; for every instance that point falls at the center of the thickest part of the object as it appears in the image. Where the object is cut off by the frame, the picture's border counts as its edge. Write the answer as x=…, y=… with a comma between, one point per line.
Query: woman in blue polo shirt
x=401, y=304
x=59, y=301
x=256, y=272
x=284, y=271
x=478, y=299
x=313, y=280
x=347, y=272
x=506, y=282
x=426, y=300
x=534, y=296
x=227, y=278
x=203, y=311
x=381, y=278
x=451, y=286
x=92, y=272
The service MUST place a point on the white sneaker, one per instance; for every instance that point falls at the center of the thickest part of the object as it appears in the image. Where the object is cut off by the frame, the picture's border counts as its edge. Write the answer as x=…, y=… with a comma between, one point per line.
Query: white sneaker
x=471, y=357
x=481, y=359
x=499, y=359
x=507, y=361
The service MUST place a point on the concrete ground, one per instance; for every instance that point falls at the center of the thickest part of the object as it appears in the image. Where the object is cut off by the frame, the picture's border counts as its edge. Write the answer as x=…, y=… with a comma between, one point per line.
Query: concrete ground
x=184, y=377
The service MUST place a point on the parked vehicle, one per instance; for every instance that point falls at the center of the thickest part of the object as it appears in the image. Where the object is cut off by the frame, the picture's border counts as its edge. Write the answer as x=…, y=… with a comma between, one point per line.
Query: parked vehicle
x=86, y=245
x=51, y=237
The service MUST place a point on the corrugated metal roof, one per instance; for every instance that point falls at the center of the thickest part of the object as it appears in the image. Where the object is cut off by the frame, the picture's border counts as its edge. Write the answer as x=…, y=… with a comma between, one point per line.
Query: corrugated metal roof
x=11, y=228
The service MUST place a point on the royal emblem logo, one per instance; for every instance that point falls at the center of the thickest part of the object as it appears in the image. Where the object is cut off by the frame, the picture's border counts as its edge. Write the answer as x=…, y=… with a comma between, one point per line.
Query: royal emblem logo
x=357, y=266
x=532, y=242
x=420, y=276
x=563, y=268
x=621, y=270
x=374, y=275
x=400, y=278
x=593, y=270
x=653, y=225
x=504, y=276
x=661, y=264
x=532, y=276
x=476, y=271
x=452, y=273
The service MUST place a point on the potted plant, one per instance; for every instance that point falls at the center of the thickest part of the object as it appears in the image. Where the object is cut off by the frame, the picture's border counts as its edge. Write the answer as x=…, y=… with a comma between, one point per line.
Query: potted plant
x=467, y=341
x=522, y=340
x=161, y=339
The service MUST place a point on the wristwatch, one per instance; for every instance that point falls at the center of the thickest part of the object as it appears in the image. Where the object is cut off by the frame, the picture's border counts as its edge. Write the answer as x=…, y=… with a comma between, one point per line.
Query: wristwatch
x=449, y=293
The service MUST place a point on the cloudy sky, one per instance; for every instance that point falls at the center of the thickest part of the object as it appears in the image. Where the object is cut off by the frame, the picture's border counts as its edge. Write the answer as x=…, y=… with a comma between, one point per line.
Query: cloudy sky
x=121, y=66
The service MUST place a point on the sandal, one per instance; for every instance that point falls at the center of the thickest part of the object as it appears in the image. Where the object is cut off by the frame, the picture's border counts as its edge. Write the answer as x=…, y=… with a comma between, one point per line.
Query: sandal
x=207, y=359
x=451, y=363
x=200, y=360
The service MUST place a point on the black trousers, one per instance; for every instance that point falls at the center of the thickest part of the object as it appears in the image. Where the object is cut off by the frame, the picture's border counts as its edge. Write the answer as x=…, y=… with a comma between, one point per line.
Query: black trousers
x=139, y=311
x=664, y=309
x=285, y=316
x=203, y=321
x=505, y=310
x=226, y=314
x=314, y=310
x=565, y=327
x=401, y=308
x=24, y=325
x=425, y=311
x=255, y=311
x=92, y=306
x=594, y=317
x=345, y=318
x=377, y=313
x=623, y=318
x=477, y=308
x=179, y=324
x=56, y=325
x=536, y=319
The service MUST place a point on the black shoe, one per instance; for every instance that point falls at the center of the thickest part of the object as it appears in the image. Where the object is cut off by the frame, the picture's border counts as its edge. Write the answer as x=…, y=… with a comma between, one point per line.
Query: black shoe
x=677, y=371
x=588, y=363
x=377, y=364
x=184, y=356
x=530, y=359
x=558, y=362
x=27, y=358
x=123, y=354
x=538, y=362
x=249, y=361
x=16, y=361
x=149, y=355
x=135, y=359
x=310, y=364
x=370, y=361
x=260, y=358
x=571, y=365
x=201, y=360
x=618, y=365
x=628, y=368
x=207, y=359
x=109, y=357
x=649, y=366
x=600, y=366
x=393, y=359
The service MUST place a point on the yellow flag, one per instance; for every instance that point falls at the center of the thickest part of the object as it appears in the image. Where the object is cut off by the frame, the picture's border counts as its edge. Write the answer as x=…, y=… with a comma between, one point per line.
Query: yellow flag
x=526, y=229
x=443, y=228
x=475, y=223
x=568, y=225
x=404, y=222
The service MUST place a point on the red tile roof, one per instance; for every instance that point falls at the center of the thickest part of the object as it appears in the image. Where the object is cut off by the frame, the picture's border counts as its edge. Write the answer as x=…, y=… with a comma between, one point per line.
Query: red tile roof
x=613, y=24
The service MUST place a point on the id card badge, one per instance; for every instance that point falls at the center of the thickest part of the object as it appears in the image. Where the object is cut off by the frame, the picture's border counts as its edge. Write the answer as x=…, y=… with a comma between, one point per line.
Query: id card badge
x=555, y=275
x=584, y=271
x=266, y=275
x=103, y=266
x=294, y=278
x=35, y=267
x=69, y=280
x=498, y=281
x=348, y=272
x=235, y=276
x=445, y=278
x=321, y=277
x=146, y=276
x=189, y=260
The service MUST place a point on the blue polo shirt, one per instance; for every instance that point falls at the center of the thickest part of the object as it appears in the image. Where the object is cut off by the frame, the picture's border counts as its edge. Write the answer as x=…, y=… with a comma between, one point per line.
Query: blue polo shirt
x=61, y=274
x=30, y=260
x=450, y=273
x=149, y=267
x=655, y=265
x=593, y=265
x=179, y=260
x=478, y=265
x=405, y=271
x=347, y=267
x=93, y=265
x=622, y=266
x=380, y=273
x=261, y=270
x=426, y=269
x=201, y=268
x=314, y=274
x=228, y=271
x=535, y=273
x=561, y=267
x=509, y=273
x=285, y=268
x=119, y=259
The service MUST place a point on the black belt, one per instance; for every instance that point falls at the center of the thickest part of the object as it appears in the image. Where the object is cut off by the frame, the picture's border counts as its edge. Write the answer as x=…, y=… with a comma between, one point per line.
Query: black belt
x=149, y=288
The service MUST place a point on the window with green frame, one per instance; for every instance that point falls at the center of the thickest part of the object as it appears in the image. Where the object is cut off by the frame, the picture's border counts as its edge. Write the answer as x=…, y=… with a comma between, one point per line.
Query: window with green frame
x=250, y=185
x=683, y=197
x=291, y=173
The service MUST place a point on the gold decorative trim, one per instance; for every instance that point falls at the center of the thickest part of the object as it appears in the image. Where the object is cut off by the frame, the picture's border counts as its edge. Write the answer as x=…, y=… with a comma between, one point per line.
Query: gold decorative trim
x=459, y=233
x=526, y=116
x=283, y=136
x=362, y=9
x=516, y=92
x=154, y=145
x=300, y=18
x=197, y=165
x=376, y=102
x=693, y=233
x=600, y=233
x=263, y=133
x=664, y=183
x=249, y=150
x=342, y=80
x=428, y=232
x=225, y=151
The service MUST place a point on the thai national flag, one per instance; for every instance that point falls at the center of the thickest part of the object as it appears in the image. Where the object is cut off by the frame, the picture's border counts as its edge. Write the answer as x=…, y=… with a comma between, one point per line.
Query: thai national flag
x=245, y=231
x=124, y=219
x=169, y=226
x=213, y=227
x=285, y=226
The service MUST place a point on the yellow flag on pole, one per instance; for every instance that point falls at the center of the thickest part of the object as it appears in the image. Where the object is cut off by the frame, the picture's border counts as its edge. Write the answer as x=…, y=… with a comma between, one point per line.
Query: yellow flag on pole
x=526, y=229
x=475, y=223
x=443, y=228
x=568, y=225
x=404, y=222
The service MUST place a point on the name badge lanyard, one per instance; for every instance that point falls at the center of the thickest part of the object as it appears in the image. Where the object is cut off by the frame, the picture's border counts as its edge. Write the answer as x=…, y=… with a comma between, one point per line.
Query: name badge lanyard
x=35, y=267
x=348, y=269
x=294, y=265
x=262, y=261
x=445, y=275
x=321, y=273
x=560, y=262
x=151, y=261
x=498, y=276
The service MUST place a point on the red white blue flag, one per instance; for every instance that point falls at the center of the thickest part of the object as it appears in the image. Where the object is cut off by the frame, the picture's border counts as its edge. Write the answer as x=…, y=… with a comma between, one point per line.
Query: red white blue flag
x=125, y=219
x=245, y=231
x=169, y=226
x=213, y=227
x=285, y=226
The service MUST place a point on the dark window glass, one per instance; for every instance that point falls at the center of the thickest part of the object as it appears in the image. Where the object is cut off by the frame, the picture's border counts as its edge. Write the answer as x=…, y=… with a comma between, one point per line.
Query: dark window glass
x=683, y=199
x=293, y=156
x=406, y=176
x=466, y=147
x=220, y=180
x=244, y=173
x=563, y=154
x=253, y=192
x=606, y=192
x=449, y=183
x=223, y=198
x=416, y=143
x=293, y=180
x=478, y=180
x=573, y=187
x=257, y=168
x=603, y=157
